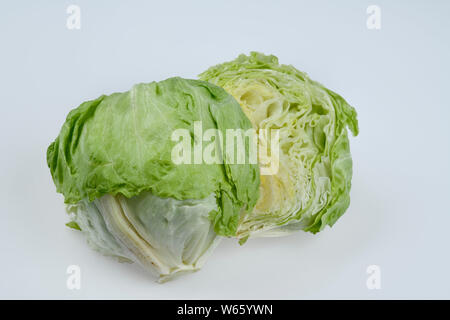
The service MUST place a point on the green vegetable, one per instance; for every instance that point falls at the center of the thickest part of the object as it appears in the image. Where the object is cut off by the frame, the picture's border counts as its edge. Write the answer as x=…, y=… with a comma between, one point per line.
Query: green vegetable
x=311, y=188
x=73, y=225
x=138, y=194
x=113, y=163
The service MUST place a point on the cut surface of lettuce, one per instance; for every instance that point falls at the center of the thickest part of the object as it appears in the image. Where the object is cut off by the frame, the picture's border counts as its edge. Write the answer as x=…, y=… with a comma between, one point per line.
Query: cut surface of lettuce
x=113, y=163
x=312, y=185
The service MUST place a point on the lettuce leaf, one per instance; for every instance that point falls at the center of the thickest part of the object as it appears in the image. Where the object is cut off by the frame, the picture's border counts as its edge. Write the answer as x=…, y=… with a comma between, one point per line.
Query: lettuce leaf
x=168, y=237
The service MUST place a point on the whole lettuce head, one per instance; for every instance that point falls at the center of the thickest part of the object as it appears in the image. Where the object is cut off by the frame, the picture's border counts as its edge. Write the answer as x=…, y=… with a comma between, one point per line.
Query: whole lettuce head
x=113, y=163
x=311, y=187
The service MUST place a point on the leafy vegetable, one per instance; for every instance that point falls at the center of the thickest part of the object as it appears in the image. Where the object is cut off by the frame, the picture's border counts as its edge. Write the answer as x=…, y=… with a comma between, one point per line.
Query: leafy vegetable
x=312, y=185
x=73, y=225
x=112, y=162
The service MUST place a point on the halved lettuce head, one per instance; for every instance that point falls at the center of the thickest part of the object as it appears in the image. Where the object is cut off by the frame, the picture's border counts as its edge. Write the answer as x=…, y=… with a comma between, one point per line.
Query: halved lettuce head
x=113, y=162
x=311, y=187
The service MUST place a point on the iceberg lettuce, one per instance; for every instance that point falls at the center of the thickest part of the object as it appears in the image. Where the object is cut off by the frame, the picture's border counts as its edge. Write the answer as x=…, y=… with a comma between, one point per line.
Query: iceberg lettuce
x=113, y=163
x=311, y=187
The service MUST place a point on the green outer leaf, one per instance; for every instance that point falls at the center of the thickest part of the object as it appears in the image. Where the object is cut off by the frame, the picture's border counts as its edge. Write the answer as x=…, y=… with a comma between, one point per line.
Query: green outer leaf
x=73, y=225
x=341, y=166
x=121, y=144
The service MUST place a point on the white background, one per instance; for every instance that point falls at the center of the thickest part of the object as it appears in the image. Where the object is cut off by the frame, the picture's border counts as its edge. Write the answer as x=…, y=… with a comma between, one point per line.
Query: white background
x=396, y=77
